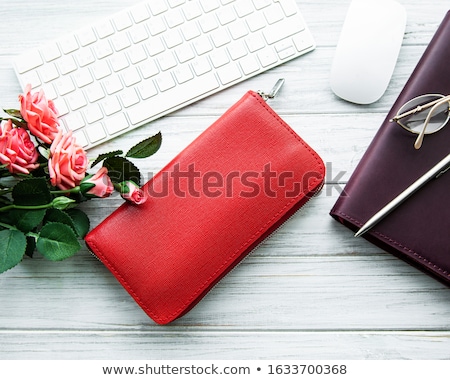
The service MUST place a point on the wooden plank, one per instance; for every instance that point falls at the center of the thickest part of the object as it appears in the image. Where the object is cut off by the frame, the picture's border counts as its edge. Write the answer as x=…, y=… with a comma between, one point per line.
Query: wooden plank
x=195, y=345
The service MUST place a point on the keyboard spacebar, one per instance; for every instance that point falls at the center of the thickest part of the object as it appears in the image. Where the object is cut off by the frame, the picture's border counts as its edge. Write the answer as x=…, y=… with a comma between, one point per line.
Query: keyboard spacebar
x=173, y=98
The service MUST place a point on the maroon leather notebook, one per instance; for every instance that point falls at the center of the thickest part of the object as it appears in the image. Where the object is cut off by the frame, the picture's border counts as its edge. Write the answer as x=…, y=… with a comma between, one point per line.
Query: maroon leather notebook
x=418, y=231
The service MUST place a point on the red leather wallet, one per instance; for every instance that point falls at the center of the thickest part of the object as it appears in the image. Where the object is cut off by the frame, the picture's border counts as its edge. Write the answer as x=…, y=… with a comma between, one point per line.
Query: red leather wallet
x=208, y=208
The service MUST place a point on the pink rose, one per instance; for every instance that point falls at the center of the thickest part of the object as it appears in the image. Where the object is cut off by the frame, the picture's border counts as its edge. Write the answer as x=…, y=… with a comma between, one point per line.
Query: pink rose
x=40, y=114
x=132, y=192
x=98, y=185
x=67, y=163
x=17, y=151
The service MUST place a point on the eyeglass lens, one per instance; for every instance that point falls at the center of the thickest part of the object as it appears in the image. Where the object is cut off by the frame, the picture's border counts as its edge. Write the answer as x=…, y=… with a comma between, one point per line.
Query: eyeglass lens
x=415, y=121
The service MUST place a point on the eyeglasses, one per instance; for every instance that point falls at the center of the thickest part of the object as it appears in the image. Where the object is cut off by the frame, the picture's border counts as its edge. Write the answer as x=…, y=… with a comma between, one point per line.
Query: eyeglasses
x=424, y=115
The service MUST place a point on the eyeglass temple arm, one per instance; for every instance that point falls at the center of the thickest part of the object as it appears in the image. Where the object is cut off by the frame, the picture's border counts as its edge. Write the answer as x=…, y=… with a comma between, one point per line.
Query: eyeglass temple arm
x=420, y=108
x=419, y=140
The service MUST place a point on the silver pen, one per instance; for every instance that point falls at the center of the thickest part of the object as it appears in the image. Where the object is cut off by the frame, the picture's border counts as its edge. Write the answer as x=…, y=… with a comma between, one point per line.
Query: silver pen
x=440, y=168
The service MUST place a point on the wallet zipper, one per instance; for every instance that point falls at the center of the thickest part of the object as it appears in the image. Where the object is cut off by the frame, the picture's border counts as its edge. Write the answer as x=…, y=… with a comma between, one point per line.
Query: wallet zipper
x=273, y=92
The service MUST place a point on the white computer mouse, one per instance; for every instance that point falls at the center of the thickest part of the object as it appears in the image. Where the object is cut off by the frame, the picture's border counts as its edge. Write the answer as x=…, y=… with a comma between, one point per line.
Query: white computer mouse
x=367, y=50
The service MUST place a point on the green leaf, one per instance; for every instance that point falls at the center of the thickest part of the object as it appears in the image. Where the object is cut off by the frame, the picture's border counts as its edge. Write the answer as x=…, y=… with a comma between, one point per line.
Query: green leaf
x=103, y=156
x=13, y=112
x=12, y=248
x=80, y=221
x=4, y=200
x=146, y=148
x=58, y=216
x=31, y=246
x=57, y=242
x=31, y=192
x=26, y=220
x=120, y=169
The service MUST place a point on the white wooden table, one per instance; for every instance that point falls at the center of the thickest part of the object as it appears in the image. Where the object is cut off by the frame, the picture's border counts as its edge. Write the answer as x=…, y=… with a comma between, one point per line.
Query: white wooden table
x=310, y=291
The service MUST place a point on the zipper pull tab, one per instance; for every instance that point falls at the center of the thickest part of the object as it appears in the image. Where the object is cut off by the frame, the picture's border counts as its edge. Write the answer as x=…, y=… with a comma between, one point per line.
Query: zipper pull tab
x=272, y=92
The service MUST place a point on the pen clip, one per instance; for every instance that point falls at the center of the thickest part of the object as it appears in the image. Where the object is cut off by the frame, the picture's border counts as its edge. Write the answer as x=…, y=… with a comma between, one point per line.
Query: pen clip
x=443, y=171
x=273, y=92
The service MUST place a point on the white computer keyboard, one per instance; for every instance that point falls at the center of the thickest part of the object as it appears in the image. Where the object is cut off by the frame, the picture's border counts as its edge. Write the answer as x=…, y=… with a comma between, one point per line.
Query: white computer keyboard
x=159, y=56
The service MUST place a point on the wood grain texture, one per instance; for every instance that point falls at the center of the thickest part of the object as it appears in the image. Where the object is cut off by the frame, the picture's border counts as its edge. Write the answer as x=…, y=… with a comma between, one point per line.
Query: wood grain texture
x=309, y=291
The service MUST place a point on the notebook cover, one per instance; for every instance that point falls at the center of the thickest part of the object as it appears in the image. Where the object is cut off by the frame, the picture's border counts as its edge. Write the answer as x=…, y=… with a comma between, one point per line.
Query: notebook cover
x=418, y=230
x=208, y=208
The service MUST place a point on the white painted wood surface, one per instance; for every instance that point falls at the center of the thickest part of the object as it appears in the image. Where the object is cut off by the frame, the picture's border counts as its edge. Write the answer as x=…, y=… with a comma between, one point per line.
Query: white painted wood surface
x=309, y=291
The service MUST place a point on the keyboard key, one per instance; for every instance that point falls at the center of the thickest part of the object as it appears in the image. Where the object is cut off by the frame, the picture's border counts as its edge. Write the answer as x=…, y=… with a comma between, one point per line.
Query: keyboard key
x=157, y=7
x=184, y=53
x=111, y=105
x=174, y=18
x=95, y=132
x=112, y=84
x=288, y=27
x=119, y=62
x=237, y=50
x=116, y=124
x=68, y=44
x=29, y=61
x=81, y=139
x=74, y=121
x=147, y=89
x=104, y=29
x=167, y=61
x=209, y=5
x=32, y=78
x=49, y=72
x=86, y=37
x=190, y=31
x=94, y=92
x=155, y=47
x=148, y=69
x=226, y=15
x=120, y=41
x=260, y=4
x=289, y=7
x=122, y=21
x=165, y=82
x=202, y=45
x=93, y=113
x=249, y=65
x=208, y=23
x=130, y=76
x=267, y=57
x=220, y=37
x=172, y=39
x=243, y=8
x=85, y=57
x=201, y=66
x=83, y=77
x=67, y=64
x=229, y=74
x=64, y=85
x=140, y=13
x=156, y=26
x=175, y=3
x=219, y=58
x=183, y=74
x=238, y=30
x=101, y=69
x=136, y=54
x=138, y=34
x=76, y=100
x=129, y=97
x=51, y=52
x=103, y=49
x=191, y=11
